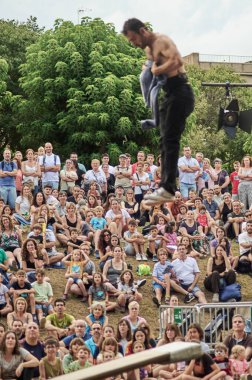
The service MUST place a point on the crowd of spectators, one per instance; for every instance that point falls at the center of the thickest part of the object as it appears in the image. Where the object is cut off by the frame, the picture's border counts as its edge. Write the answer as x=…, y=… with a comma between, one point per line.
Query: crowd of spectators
x=95, y=226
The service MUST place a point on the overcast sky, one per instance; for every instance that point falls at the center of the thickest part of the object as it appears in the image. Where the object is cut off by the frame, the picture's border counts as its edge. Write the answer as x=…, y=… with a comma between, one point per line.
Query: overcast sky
x=204, y=26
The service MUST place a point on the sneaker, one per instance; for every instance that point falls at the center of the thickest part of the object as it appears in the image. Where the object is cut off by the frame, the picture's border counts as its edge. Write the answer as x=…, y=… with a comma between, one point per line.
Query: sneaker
x=42, y=323
x=216, y=297
x=138, y=257
x=159, y=196
x=144, y=257
x=97, y=255
x=156, y=301
x=141, y=283
x=155, y=259
x=189, y=298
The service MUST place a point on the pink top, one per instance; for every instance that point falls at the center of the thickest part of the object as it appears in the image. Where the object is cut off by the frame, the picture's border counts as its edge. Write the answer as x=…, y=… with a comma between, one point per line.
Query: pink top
x=238, y=366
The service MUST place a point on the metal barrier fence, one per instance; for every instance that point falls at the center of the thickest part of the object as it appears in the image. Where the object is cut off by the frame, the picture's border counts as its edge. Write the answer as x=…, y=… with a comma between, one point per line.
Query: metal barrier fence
x=169, y=353
x=215, y=319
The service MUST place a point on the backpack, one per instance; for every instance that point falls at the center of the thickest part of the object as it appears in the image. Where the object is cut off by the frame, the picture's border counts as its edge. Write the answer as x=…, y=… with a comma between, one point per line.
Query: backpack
x=55, y=159
x=231, y=291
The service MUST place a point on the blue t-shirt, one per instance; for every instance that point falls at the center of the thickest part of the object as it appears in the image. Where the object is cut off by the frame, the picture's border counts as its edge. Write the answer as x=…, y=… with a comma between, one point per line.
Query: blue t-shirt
x=8, y=167
x=98, y=223
x=159, y=269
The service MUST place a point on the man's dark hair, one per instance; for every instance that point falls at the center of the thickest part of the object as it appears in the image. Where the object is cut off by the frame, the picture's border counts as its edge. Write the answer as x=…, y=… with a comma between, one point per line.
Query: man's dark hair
x=134, y=25
x=59, y=300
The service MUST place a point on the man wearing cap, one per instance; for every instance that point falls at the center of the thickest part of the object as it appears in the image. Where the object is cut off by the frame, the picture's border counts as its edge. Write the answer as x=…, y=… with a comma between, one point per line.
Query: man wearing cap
x=123, y=173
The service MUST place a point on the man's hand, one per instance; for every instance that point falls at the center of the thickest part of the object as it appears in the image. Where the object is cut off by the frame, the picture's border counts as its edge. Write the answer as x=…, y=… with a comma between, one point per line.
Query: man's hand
x=155, y=69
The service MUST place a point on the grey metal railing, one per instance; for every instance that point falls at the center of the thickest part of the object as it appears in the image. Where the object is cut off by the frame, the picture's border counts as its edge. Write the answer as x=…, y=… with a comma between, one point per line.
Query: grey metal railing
x=225, y=58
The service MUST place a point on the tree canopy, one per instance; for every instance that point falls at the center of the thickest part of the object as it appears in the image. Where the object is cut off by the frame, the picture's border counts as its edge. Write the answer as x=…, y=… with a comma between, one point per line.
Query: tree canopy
x=77, y=86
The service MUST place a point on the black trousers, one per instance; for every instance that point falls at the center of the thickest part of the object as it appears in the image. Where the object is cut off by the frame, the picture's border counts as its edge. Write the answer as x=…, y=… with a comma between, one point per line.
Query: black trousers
x=212, y=282
x=177, y=104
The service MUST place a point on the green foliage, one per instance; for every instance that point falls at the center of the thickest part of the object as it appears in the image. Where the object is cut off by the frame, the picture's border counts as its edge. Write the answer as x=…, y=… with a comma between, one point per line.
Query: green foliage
x=82, y=81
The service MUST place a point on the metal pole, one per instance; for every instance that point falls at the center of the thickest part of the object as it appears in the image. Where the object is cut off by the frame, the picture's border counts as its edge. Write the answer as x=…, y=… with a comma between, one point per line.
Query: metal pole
x=169, y=353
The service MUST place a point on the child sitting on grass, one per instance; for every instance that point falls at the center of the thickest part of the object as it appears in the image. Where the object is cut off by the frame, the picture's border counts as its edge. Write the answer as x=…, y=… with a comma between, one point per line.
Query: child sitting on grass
x=75, y=272
x=50, y=366
x=83, y=355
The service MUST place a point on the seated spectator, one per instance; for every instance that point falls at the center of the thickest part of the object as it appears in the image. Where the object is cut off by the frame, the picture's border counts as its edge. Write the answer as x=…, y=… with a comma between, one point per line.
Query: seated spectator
x=123, y=334
x=38, y=201
x=133, y=317
x=138, y=335
x=194, y=231
x=219, y=273
x=11, y=240
x=235, y=219
x=94, y=342
x=98, y=293
x=174, y=206
x=5, y=305
x=19, y=313
x=245, y=245
x=170, y=239
x=98, y=223
x=74, y=273
x=238, y=335
x=82, y=361
x=20, y=362
x=50, y=366
x=59, y=321
x=43, y=296
x=211, y=206
x=79, y=332
x=135, y=240
x=171, y=332
x=195, y=333
x=22, y=288
x=238, y=363
x=130, y=204
x=109, y=344
x=72, y=355
x=155, y=241
x=117, y=219
x=114, y=267
x=33, y=257
x=187, y=273
x=181, y=217
x=128, y=290
x=202, y=368
x=23, y=206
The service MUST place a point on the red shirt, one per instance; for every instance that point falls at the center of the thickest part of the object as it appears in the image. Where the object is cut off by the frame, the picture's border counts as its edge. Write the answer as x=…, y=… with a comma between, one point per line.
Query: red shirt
x=235, y=182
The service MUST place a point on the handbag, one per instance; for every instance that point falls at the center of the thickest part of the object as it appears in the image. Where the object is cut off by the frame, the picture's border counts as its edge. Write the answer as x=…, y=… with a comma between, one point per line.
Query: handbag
x=231, y=291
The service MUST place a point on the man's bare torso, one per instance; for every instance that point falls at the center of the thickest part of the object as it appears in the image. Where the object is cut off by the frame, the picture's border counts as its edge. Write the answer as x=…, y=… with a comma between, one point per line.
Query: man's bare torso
x=162, y=50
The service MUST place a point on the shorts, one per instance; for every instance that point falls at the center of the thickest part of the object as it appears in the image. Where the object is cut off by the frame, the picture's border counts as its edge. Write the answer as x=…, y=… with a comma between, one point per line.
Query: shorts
x=44, y=308
x=158, y=286
x=185, y=188
x=75, y=280
x=194, y=290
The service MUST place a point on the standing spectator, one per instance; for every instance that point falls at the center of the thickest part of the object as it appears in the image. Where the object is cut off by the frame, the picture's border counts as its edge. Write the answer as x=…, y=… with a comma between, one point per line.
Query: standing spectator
x=234, y=179
x=141, y=181
x=123, y=173
x=188, y=167
x=31, y=171
x=238, y=335
x=97, y=175
x=245, y=185
x=150, y=159
x=218, y=196
x=206, y=176
x=50, y=167
x=109, y=177
x=140, y=157
x=223, y=179
x=8, y=172
x=19, y=177
x=68, y=176
x=80, y=168
x=105, y=161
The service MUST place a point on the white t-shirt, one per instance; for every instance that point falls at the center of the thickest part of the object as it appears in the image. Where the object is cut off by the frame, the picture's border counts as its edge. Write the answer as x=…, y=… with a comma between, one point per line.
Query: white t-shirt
x=3, y=291
x=143, y=177
x=24, y=204
x=49, y=160
x=244, y=238
x=125, y=215
x=186, y=269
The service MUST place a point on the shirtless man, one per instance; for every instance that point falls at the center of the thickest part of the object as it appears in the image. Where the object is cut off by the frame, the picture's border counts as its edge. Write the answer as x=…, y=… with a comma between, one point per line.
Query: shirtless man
x=176, y=106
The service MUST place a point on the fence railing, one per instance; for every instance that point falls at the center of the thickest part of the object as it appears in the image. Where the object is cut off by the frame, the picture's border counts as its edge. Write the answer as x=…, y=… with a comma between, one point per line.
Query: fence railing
x=224, y=58
x=215, y=319
x=169, y=353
